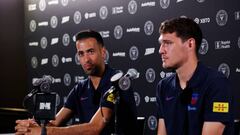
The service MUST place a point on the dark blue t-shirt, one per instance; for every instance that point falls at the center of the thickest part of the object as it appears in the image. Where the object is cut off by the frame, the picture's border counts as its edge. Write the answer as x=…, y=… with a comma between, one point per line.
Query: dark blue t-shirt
x=84, y=101
x=207, y=97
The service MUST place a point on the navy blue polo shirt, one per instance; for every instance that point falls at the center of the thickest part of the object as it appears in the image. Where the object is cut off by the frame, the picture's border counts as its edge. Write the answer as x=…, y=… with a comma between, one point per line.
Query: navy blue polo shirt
x=207, y=97
x=84, y=101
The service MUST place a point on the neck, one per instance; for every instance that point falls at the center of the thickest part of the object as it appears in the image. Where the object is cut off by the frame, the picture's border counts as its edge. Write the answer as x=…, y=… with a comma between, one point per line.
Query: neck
x=185, y=72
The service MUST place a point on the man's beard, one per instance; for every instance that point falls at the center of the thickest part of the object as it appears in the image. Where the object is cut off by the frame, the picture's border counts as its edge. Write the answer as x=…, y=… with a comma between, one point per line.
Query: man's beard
x=95, y=71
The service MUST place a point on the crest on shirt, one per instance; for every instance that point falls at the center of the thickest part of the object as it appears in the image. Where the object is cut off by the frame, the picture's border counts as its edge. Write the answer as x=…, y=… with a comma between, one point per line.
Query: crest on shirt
x=221, y=107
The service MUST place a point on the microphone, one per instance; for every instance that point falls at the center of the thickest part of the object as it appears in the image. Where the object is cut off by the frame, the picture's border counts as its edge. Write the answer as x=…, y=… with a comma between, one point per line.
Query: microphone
x=132, y=74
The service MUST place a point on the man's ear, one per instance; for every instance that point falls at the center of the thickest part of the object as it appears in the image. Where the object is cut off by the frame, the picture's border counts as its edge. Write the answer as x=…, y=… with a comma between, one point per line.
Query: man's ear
x=191, y=43
x=104, y=52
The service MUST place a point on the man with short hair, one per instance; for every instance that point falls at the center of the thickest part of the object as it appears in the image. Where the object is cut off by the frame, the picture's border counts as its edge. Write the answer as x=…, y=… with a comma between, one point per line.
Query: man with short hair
x=86, y=102
x=196, y=100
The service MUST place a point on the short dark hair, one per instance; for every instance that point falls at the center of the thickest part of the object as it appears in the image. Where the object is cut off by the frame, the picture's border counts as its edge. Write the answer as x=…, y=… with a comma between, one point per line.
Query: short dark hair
x=90, y=34
x=185, y=28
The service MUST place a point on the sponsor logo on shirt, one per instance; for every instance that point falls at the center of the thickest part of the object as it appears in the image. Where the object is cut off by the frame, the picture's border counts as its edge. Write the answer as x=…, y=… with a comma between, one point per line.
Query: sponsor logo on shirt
x=222, y=107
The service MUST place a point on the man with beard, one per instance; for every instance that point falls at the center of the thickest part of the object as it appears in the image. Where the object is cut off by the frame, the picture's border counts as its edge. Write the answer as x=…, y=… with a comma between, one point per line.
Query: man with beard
x=195, y=100
x=86, y=102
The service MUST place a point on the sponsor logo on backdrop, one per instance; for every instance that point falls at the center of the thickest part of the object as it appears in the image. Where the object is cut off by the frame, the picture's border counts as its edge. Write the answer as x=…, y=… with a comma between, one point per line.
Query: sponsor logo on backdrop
x=239, y=42
x=164, y=3
x=237, y=70
x=148, y=28
x=179, y=1
x=225, y=69
x=149, y=51
x=43, y=23
x=66, y=60
x=117, y=10
x=42, y=5
x=77, y=79
x=137, y=98
x=44, y=61
x=90, y=15
x=104, y=34
x=200, y=1
x=32, y=25
x=32, y=7
x=221, y=17
x=152, y=122
x=202, y=20
x=34, y=62
x=223, y=44
x=132, y=7
x=134, y=29
x=67, y=79
x=148, y=4
x=77, y=59
x=203, y=49
x=165, y=74
x=150, y=99
x=65, y=19
x=55, y=60
x=119, y=54
x=77, y=17
x=33, y=43
x=106, y=57
x=237, y=15
x=43, y=42
x=53, y=2
x=57, y=80
x=66, y=39
x=133, y=53
x=54, y=41
x=118, y=32
x=103, y=12
x=64, y=2
x=53, y=21
x=150, y=75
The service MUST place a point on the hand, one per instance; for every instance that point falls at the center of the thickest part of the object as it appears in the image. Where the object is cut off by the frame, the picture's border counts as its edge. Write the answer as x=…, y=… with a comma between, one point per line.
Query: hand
x=24, y=126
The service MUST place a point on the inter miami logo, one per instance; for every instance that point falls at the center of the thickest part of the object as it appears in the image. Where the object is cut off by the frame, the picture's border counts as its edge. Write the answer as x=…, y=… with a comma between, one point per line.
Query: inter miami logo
x=34, y=62
x=32, y=25
x=164, y=3
x=67, y=79
x=66, y=39
x=106, y=57
x=77, y=17
x=133, y=53
x=239, y=42
x=150, y=75
x=77, y=59
x=132, y=7
x=221, y=17
x=152, y=122
x=224, y=68
x=203, y=49
x=137, y=98
x=55, y=60
x=148, y=28
x=42, y=5
x=64, y=2
x=43, y=42
x=53, y=21
x=118, y=32
x=124, y=83
x=103, y=12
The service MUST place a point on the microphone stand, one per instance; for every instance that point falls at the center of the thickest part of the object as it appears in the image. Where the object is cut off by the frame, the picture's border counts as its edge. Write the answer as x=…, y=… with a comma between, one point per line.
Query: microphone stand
x=117, y=100
x=43, y=127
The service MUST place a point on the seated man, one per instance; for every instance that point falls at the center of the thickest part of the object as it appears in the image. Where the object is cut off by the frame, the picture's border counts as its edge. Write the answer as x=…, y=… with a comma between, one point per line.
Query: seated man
x=86, y=102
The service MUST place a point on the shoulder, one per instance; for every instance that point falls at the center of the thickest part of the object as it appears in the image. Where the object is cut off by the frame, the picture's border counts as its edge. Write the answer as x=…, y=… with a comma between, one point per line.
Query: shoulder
x=168, y=80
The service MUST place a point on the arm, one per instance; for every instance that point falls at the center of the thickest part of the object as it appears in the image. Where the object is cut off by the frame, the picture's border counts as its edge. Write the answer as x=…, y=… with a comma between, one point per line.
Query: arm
x=63, y=115
x=94, y=127
x=161, y=127
x=213, y=128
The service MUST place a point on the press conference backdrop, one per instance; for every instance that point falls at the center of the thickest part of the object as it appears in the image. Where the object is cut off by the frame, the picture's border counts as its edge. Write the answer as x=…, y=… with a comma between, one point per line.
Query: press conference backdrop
x=130, y=32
